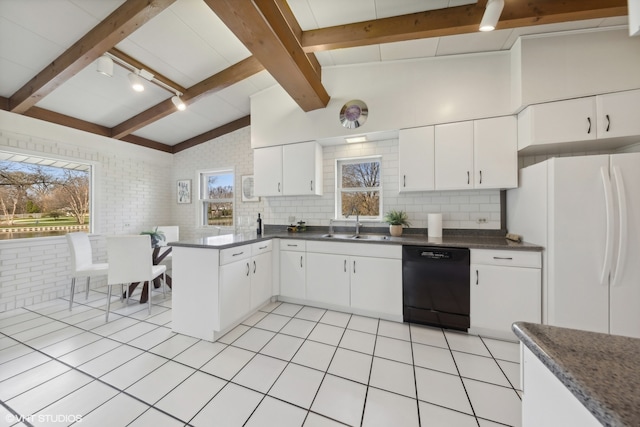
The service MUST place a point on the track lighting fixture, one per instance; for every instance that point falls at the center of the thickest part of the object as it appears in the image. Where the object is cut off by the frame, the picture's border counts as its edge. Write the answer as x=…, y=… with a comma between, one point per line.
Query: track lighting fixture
x=178, y=102
x=137, y=77
x=105, y=66
x=491, y=15
x=136, y=82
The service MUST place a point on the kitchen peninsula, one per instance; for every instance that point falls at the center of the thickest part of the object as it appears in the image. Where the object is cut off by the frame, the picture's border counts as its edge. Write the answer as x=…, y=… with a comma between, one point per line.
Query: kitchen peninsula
x=578, y=378
x=220, y=281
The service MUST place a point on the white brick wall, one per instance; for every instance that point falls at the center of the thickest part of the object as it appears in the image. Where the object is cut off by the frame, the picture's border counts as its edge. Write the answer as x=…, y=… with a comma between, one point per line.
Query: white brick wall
x=132, y=192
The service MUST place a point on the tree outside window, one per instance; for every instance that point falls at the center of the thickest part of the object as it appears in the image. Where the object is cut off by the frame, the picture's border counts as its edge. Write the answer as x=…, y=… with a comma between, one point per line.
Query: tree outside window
x=46, y=195
x=359, y=188
x=217, y=198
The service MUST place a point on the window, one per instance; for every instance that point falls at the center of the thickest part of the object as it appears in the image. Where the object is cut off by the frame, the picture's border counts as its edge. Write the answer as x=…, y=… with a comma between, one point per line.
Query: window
x=359, y=188
x=217, y=197
x=42, y=197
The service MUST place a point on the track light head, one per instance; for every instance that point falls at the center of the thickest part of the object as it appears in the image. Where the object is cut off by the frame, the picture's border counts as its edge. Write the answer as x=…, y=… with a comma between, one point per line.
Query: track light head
x=136, y=82
x=491, y=15
x=178, y=102
x=105, y=66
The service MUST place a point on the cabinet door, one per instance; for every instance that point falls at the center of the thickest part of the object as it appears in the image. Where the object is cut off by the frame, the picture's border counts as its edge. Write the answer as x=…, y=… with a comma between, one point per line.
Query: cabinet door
x=267, y=171
x=503, y=295
x=376, y=285
x=495, y=152
x=618, y=114
x=328, y=278
x=260, y=279
x=302, y=169
x=454, y=156
x=292, y=274
x=556, y=122
x=416, y=159
x=235, y=292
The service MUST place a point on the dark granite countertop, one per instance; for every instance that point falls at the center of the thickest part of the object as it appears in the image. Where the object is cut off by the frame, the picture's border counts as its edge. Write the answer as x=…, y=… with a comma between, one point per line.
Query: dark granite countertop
x=602, y=371
x=460, y=241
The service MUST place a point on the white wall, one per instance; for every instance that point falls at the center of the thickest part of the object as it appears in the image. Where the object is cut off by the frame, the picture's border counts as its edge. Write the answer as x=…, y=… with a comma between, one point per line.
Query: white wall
x=399, y=95
x=132, y=192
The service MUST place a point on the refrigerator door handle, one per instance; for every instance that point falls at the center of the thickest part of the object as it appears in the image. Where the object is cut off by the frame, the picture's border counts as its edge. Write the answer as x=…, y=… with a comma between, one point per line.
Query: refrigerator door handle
x=622, y=218
x=608, y=249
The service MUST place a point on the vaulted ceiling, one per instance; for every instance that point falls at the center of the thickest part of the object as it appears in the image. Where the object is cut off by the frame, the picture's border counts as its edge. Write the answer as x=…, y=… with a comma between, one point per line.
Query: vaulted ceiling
x=217, y=53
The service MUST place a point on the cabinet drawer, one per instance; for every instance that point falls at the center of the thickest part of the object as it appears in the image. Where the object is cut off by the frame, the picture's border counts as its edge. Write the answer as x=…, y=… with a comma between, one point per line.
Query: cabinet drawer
x=234, y=254
x=261, y=247
x=531, y=259
x=293, y=245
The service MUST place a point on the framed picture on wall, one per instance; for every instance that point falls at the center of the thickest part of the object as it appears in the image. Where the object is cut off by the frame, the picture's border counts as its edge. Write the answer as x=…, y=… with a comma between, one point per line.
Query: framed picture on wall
x=247, y=189
x=184, y=191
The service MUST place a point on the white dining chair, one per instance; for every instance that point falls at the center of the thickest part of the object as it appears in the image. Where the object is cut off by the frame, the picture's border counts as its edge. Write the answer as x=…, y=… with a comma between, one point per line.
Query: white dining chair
x=82, y=264
x=130, y=260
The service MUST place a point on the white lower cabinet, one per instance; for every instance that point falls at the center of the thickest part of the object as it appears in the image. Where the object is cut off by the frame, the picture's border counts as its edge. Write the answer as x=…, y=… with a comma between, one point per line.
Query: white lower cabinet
x=261, y=273
x=293, y=267
x=506, y=287
x=363, y=278
x=235, y=291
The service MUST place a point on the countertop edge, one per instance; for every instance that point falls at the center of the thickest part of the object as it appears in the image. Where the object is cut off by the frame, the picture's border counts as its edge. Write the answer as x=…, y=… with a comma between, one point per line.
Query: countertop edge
x=589, y=398
x=454, y=241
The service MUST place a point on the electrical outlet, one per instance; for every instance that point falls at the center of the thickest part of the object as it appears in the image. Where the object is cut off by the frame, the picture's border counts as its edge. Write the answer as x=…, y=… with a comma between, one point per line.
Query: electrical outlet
x=481, y=220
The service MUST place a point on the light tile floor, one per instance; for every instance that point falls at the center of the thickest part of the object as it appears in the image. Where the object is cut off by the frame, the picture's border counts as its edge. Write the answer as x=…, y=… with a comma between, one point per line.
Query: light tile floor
x=287, y=365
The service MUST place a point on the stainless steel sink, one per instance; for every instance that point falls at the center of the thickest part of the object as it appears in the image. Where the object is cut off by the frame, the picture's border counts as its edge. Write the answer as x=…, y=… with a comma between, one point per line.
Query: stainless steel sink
x=358, y=237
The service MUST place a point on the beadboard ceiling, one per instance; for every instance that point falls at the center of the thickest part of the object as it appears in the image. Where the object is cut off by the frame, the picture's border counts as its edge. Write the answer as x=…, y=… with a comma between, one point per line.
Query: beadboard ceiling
x=220, y=52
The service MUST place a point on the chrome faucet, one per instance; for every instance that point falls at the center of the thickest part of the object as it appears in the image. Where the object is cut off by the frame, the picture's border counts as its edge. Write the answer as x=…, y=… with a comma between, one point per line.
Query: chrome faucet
x=357, y=219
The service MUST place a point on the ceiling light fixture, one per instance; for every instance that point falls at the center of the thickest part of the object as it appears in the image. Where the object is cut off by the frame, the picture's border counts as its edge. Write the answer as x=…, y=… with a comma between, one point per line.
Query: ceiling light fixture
x=354, y=139
x=136, y=81
x=178, y=102
x=491, y=15
x=105, y=65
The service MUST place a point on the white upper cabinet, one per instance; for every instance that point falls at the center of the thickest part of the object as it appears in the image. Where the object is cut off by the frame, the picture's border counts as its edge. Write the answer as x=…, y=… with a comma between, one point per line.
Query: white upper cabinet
x=302, y=169
x=557, y=122
x=495, y=152
x=618, y=114
x=267, y=171
x=454, y=156
x=416, y=159
x=288, y=170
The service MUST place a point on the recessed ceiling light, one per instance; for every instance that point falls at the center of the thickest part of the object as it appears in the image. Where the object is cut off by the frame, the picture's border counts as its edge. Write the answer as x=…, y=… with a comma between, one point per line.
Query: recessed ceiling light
x=353, y=139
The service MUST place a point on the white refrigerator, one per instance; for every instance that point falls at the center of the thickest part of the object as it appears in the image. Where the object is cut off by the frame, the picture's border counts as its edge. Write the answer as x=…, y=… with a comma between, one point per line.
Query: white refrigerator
x=585, y=212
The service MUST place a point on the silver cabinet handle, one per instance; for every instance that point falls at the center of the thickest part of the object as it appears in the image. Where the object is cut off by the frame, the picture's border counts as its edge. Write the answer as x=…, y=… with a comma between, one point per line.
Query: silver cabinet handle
x=278, y=187
x=345, y=265
x=477, y=277
x=468, y=178
x=263, y=247
x=480, y=177
x=248, y=269
x=300, y=261
x=608, y=122
x=293, y=246
x=239, y=253
x=254, y=267
x=503, y=257
x=404, y=180
x=354, y=266
x=589, y=120
x=311, y=185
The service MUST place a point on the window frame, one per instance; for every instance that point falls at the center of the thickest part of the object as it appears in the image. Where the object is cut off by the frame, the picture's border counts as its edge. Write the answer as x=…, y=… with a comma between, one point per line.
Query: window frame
x=92, y=169
x=339, y=189
x=202, y=175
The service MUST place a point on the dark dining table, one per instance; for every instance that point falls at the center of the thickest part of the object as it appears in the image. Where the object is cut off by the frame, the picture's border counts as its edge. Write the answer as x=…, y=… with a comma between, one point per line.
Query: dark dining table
x=157, y=257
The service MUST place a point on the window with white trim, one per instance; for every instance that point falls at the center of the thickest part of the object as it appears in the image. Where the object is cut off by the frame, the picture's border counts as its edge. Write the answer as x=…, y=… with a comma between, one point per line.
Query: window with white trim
x=42, y=196
x=217, y=197
x=359, y=188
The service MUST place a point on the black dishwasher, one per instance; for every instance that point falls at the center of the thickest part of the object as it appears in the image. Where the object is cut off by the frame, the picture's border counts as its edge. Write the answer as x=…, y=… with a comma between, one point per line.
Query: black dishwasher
x=435, y=286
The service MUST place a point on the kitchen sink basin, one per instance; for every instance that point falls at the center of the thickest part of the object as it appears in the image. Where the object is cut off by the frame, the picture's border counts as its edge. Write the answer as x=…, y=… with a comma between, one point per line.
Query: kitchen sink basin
x=358, y=237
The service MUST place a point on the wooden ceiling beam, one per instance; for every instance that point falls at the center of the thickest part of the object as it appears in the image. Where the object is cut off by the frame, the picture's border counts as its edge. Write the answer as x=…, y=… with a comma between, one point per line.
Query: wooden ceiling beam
x=225, y=78
x=261, y=26
x=68, y=121
x=212, y=134
x=144, y=142
x=115, y=28
x=457, y=20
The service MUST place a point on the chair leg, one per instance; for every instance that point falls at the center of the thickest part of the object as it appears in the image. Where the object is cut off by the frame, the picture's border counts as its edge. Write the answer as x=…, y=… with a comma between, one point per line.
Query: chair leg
x=73, y=290
x=149, y=297
x=164, y=285
x=106, y=317
x=86, y=294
